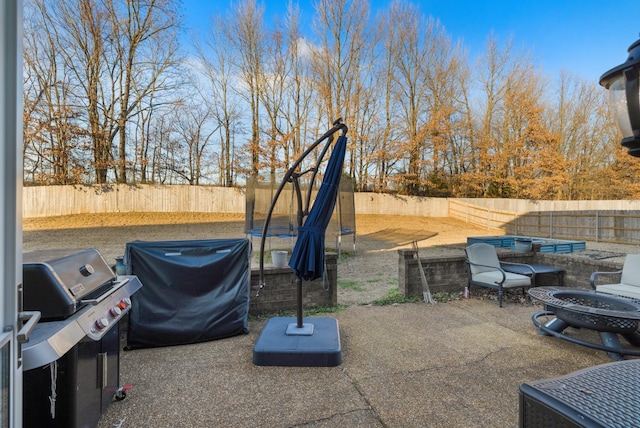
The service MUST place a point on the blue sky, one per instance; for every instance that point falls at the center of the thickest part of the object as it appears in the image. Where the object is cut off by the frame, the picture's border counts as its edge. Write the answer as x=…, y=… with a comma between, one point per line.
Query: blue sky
x=585, y=37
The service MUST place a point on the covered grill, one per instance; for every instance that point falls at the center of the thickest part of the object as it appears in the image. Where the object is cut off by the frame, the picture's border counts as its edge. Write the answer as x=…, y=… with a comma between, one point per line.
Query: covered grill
x=71, y=362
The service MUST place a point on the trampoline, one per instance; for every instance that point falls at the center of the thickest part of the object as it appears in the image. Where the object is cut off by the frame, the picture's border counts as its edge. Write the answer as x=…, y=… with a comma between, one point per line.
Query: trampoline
x=282, y=226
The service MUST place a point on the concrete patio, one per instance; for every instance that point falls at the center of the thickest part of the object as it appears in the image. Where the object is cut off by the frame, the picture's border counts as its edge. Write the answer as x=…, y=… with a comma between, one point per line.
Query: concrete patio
x=455, y=364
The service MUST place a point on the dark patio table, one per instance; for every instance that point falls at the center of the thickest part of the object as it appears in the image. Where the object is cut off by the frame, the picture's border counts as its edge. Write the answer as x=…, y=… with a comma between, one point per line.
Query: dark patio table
x=537, y=270
x=599, y=396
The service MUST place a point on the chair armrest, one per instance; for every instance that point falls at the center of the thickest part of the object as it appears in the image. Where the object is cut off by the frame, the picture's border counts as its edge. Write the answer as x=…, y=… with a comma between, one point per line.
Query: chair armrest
x=592, y=278
x=526, y=266
x=533, y=272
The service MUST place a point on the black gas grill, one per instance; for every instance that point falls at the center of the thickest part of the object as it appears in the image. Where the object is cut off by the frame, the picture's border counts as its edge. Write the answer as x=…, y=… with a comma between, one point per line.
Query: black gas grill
x=71, y=362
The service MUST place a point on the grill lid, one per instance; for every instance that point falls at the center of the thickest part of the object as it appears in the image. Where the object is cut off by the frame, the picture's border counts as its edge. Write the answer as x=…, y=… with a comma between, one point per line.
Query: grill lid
x=55, y=281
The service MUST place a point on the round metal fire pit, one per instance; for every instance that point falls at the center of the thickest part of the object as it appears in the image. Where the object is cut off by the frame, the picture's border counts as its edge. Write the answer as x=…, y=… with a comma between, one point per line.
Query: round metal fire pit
x=589, y=309
x=608, y=315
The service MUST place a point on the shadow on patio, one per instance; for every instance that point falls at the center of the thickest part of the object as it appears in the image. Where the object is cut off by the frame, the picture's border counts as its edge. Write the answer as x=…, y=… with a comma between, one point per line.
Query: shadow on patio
x=456, y=364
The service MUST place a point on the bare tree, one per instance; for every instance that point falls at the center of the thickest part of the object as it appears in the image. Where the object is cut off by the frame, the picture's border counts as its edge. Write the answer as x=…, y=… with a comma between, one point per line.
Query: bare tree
x=299, y=91
x=115, y=53
x=156, y=155
x=578, y=115
x=274, y=79
x=246, y=35
x=498, y=69
x=446, y=71
x=83, y=31
x=144, y=41
x=384, y=155
x=192, y=137
x=421, y=101
x=341, y=61
x=105, y=86
x=220, y=94
x=53, y=137
x=150, y=131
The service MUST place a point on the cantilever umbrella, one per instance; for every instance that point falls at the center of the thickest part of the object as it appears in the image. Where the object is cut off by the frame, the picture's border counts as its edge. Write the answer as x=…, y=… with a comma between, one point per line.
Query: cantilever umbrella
x=307, y=257
x=281, y=342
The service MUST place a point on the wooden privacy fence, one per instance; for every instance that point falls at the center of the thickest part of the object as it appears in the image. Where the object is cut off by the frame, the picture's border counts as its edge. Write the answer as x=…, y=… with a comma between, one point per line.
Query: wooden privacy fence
x=615, y=226
x=481, y=216
x=42, y=201
x=604, y=221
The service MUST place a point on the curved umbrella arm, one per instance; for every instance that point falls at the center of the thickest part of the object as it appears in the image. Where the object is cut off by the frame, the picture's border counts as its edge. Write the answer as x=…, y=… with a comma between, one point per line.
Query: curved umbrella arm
x=292, y=176
x=312, y=180
x=337, y=124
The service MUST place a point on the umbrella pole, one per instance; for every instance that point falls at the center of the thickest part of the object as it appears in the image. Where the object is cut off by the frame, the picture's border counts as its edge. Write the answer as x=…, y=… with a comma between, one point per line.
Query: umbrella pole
x=299, y=329
x=299, y=286
x=299, y=219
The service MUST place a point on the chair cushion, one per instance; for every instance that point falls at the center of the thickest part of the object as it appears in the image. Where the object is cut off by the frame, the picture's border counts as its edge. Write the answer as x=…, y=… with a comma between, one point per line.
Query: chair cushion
x=626, y=290
x=494, y=278
x=482, y=254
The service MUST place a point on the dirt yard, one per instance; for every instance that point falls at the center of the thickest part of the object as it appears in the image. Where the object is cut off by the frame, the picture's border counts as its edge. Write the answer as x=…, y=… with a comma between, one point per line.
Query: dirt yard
x=364, y=275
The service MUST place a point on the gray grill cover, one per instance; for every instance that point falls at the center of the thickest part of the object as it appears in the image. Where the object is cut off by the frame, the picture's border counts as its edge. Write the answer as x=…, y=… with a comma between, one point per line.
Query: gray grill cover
x=193, y=291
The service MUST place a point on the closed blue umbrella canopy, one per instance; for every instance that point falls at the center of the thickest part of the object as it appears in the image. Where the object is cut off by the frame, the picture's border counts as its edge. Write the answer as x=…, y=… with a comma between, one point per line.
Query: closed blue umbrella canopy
x=307, y=257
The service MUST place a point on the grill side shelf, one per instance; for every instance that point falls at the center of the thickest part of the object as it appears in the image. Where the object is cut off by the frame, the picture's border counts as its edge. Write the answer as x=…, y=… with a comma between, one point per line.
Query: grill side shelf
x=50, y=340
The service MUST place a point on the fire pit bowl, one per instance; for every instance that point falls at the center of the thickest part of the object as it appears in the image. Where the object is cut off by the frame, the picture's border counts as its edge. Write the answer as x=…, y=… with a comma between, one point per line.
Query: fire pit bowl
x=607, y=314
x=588, y=309
x=578, y=311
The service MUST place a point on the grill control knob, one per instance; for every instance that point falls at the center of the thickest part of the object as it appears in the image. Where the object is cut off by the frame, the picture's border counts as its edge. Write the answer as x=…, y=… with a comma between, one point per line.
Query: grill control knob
x=101, y=323
x=115, y=312
x=87, y=270
x=124, y=303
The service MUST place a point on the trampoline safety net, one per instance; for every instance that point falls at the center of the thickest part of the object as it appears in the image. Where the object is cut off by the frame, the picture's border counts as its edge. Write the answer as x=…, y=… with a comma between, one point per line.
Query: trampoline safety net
x=283, y=222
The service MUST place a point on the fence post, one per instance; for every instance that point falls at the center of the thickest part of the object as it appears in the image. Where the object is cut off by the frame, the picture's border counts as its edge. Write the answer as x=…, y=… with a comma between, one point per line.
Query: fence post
x=597, y=225
x=550, y=224
x=488, y=219
x=466, y=212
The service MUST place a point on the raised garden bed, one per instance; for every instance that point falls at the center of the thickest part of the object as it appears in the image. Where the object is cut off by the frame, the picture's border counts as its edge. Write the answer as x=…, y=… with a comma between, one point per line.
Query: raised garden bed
x=551, y=246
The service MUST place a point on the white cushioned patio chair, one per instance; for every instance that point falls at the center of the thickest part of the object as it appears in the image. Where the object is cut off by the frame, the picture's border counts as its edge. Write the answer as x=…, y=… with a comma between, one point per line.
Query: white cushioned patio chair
x=485, y=270
x=629, y=283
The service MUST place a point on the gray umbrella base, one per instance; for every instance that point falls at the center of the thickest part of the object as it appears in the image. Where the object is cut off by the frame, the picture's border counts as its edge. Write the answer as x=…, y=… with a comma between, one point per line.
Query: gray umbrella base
x=275, y=347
